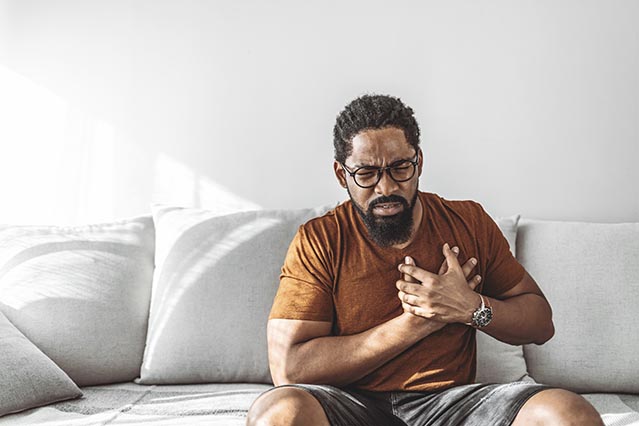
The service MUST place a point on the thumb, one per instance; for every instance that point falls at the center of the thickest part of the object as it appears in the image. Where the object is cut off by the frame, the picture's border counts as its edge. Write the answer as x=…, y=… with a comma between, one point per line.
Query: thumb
x=408, y=278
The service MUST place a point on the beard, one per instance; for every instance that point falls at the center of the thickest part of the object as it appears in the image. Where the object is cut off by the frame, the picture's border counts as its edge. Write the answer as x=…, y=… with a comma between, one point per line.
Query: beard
x=387, y=231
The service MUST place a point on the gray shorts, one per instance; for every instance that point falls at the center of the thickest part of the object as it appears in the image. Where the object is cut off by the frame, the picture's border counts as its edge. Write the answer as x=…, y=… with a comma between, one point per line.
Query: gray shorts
x=469, y=405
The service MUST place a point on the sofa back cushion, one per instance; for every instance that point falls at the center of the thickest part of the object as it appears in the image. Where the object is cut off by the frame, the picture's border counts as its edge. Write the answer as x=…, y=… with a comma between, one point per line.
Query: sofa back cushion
x=81, y=294
x=214, y=284
x=499, y=362
x=590, y=274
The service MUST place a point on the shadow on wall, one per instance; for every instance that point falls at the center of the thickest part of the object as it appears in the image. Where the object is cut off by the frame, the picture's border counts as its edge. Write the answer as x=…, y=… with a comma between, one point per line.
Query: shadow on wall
x=62, y=165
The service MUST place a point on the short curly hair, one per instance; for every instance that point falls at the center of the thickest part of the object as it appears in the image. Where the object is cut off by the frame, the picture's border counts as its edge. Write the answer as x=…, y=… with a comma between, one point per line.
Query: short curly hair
x=372, y=112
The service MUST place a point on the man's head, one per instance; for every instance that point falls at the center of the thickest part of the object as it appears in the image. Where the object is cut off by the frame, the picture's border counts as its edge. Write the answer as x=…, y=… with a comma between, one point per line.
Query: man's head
x=375, y=132
x=372, y=112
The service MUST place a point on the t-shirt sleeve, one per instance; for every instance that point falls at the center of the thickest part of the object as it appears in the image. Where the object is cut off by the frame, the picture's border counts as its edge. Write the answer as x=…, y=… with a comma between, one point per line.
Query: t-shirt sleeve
x=305, y=290
x=502, y=271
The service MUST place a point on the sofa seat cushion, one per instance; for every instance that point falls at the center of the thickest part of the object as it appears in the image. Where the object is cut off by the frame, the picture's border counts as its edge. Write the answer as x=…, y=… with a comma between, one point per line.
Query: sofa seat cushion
x=130, y=404
x=219, y=404
x=616, y=409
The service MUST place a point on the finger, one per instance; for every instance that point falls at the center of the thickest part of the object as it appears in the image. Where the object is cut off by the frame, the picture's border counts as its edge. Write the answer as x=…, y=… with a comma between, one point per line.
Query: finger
x=474, y=282
x=406, y=287
x=415, y=310
x=451, y=258
x=406, y=277
x=416, y=272
x=468, y=266
x=408, y=298
x=444, y=267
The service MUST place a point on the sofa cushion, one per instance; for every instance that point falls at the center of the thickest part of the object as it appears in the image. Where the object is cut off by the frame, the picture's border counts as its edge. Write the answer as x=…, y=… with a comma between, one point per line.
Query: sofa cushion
x=81, y=294
x=499, y=362
x=214, y=284
x=616, y=409
x=590, y=274
x=29, y=379
x=219, y=404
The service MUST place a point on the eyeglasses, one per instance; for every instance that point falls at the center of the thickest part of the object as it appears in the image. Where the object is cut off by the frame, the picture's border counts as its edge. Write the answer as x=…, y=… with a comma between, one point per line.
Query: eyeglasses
x=369, y=176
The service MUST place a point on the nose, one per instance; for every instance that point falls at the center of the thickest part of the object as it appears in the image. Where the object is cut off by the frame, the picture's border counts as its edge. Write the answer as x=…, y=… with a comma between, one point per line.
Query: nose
x=386, y=185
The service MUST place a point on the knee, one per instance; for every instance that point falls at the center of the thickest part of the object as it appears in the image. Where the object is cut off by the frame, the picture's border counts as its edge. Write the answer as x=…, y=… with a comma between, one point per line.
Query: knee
x=558, y=407
x=285, y=406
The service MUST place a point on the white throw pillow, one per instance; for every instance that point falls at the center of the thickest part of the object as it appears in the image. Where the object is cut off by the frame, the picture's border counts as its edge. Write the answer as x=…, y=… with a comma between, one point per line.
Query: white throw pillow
x=81, y=294
x=28, y=378
x=214, y=284
x=499, y=362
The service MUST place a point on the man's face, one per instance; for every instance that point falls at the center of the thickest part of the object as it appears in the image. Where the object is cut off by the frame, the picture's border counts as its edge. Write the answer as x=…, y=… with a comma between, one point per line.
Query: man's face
x=386, y=208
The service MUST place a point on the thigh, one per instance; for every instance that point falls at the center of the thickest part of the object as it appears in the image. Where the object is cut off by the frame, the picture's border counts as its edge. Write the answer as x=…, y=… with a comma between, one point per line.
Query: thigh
x=468, y=405
x=348, y=407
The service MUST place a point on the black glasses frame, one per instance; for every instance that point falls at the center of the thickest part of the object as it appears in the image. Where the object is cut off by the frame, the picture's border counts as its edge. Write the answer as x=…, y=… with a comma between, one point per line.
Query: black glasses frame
x=381, y=170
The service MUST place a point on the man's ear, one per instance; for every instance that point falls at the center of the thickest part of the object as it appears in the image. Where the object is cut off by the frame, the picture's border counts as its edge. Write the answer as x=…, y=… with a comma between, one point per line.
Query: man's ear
x=339, y=173
x=420, y=166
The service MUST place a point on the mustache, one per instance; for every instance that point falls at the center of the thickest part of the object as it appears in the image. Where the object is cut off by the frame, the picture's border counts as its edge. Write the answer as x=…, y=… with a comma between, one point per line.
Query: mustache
x=388, y=199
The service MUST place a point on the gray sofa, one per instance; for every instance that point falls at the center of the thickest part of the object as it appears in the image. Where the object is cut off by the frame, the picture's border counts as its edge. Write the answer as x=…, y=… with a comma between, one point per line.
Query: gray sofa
x=161, y=319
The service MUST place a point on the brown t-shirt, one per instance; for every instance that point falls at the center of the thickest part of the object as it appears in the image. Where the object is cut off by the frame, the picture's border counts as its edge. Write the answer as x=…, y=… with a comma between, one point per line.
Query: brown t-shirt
x=334, y=272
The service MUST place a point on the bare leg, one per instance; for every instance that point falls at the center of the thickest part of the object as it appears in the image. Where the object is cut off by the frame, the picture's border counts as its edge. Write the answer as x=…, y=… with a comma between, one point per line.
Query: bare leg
x=557, y=407
x=287, y=406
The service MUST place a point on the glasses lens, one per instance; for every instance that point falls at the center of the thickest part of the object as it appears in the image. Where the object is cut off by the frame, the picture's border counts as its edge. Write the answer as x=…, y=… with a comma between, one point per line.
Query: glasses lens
x=366, y=177
x=402, y=171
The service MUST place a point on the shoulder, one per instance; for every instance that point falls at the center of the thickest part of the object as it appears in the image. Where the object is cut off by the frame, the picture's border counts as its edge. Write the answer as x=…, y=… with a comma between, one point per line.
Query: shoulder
x=327, y=225
x=463, y=208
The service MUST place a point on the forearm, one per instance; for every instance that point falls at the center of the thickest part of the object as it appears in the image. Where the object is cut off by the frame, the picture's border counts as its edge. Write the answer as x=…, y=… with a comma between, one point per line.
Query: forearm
x=341, y=360
x=522, y=319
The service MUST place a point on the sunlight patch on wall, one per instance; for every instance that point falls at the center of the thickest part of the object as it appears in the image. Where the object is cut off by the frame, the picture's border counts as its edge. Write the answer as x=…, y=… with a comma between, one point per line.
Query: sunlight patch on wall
x=177, y=184
x=56, y=161
x=31, y=133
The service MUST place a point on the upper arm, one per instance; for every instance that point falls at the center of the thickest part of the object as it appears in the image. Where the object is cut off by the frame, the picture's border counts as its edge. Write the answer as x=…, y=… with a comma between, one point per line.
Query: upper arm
x=527, y=285
x=283, y=335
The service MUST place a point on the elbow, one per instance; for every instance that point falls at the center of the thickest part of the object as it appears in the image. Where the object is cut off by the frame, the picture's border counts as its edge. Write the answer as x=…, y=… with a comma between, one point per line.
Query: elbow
x=285, y=375
x=281, y=378
x=547, y=333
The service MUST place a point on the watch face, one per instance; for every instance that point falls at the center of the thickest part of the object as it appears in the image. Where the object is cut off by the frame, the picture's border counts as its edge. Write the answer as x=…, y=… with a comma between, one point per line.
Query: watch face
x=482, y=317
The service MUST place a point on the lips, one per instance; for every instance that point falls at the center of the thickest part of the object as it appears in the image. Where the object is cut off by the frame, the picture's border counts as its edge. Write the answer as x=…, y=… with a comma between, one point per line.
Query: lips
x=388, y=209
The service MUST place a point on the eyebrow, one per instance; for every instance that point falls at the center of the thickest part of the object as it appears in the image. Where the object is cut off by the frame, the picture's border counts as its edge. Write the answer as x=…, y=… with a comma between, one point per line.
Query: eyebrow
x=357, y=166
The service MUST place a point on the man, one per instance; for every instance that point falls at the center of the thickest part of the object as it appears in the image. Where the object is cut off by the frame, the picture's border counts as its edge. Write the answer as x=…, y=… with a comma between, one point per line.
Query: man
x=379, y=301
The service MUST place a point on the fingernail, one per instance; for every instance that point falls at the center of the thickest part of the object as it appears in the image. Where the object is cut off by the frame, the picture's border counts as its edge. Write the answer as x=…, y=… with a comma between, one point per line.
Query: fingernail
x=407, y=259
x=473, y=261
x=446, y=245
x=456, y=249
x=478, y=278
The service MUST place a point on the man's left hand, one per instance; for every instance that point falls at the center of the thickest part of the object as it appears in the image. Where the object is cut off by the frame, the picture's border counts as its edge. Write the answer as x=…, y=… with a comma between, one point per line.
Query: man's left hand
x=446, y=298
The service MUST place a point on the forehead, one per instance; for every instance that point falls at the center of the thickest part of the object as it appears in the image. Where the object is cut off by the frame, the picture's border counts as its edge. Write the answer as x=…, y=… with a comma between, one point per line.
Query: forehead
x=377, y=147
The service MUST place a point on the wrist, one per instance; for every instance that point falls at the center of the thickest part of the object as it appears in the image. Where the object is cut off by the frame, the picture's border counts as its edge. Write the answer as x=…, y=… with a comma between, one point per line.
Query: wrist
x=483, y=315
x=423, y=326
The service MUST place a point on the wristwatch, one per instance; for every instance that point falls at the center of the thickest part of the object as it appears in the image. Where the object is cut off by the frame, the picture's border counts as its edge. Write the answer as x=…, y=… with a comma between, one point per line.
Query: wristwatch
x=483, y=315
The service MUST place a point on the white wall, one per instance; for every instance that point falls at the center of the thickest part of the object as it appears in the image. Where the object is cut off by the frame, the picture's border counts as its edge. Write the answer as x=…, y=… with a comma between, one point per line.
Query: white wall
x=529, y=107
